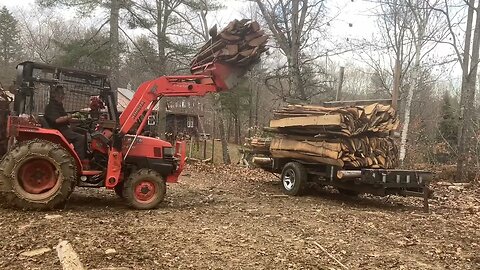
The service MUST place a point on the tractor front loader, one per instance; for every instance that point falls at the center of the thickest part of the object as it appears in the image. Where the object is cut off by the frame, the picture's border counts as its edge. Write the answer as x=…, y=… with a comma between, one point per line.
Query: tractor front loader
x=40, y=168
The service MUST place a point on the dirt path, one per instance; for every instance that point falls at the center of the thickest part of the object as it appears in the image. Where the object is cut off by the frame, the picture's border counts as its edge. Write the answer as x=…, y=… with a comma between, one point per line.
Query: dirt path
x=233, y=218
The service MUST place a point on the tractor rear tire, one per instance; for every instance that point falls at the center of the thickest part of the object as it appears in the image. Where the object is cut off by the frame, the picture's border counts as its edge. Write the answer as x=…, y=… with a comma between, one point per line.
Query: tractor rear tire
x=38, y=175
x=144, y=189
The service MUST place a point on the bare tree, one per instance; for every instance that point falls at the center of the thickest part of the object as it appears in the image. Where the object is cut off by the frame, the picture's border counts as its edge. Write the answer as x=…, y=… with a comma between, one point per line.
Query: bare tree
x=297, y=26
x=42, y=31
x=412, y=30
x=194, y=16
x=426, y=26
x=468, y=57
x=159, y=18
x=113, y=7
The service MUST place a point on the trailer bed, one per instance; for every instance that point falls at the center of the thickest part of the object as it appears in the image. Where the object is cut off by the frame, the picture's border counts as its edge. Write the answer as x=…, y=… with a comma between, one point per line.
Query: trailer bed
x=379, y=182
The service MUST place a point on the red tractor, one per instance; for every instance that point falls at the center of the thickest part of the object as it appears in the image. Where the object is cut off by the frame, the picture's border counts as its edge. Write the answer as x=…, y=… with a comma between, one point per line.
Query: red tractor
x=40, y=169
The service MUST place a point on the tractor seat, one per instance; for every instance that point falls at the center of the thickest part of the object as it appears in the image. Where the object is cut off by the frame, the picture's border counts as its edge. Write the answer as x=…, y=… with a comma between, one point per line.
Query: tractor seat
x=43, y=122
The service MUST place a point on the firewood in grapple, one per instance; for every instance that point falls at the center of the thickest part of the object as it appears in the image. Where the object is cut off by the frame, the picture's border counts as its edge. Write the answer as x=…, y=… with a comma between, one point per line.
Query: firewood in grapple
x=239, y=44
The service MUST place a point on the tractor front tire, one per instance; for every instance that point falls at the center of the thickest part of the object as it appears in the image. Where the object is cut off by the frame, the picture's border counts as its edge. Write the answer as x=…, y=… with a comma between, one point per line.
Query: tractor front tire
x=144, y=189
x=38, y=175
x=119, y=190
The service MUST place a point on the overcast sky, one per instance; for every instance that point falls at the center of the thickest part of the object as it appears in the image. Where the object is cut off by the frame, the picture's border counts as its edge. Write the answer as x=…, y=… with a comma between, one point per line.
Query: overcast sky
x=357, y=13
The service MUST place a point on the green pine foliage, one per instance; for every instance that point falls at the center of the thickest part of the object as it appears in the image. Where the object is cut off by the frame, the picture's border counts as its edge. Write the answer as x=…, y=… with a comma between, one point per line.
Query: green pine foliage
x=9, y=37
x=448, y=125
x=10, y=48
x=89, y=52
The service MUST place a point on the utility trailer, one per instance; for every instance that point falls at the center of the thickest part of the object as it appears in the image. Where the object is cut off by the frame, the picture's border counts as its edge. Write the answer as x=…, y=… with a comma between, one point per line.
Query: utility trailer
x=301, y=157
x=296, y=175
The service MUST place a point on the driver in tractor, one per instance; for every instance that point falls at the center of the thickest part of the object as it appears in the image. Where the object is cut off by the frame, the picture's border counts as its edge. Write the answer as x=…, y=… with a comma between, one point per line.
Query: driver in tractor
x=57, y=118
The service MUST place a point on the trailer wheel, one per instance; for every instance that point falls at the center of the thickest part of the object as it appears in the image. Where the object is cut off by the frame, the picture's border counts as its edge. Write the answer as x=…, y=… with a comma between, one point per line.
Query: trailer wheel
x=144, y=189
x=294, y=179
x=38, y=175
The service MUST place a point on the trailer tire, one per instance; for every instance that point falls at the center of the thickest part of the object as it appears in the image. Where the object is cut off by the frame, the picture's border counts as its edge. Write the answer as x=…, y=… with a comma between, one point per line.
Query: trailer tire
x=294, y=179
x=144, y=189
x=38, y=175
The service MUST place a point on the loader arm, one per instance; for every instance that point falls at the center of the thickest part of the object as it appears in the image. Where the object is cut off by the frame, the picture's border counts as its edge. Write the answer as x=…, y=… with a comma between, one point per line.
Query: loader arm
x=149, y=93
x=213, y=77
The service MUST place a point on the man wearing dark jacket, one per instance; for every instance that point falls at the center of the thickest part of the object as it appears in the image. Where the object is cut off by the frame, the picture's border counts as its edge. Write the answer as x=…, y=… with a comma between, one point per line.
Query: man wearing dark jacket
x=57, y=118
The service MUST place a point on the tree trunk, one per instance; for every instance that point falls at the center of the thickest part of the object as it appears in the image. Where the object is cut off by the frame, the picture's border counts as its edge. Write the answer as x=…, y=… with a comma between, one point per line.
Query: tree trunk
x=115, y=47
x=469, y=66
x=235, y=129
x=296, y=79
x=257, y=97
x=397, y=78
x=419, y=36
x=408, y=103
x=162, y=104
x=338, y=96
x=223, y=138
x=217, y=109
x=250, y=107
x=161, y=40
x=239, y=130
x=229, y=128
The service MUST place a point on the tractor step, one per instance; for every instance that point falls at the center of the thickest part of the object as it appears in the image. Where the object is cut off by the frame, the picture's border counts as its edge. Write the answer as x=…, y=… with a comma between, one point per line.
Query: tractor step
x=91, y=173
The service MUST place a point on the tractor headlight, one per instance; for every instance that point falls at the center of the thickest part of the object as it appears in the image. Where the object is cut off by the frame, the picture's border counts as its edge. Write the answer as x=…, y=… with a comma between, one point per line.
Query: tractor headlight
x=168, y=151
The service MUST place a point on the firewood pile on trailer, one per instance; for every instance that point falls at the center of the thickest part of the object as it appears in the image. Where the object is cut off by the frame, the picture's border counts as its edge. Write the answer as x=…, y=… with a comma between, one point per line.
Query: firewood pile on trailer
x=258, y=145
x=348, y=137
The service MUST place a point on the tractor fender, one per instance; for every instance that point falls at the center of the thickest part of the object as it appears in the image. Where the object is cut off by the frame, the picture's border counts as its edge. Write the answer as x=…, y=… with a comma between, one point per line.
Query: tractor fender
x=52, y=135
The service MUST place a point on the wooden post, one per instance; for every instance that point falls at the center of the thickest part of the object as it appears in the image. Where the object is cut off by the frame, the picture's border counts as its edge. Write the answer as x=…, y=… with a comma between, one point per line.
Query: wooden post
x=204, y=148
x=426, y=193
x=191, y=147
x=340, y=84
x=174, y=126
x=213, y=138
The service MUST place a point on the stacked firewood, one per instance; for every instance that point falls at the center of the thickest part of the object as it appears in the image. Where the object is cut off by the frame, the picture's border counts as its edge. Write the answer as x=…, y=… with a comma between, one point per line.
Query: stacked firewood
x=258, y=144
x=239, y=44
x=349, y=137
x=346, y=121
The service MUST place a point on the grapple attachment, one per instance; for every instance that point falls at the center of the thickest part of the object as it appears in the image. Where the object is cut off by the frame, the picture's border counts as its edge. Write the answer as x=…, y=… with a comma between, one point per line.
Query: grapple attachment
x=228, y=55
